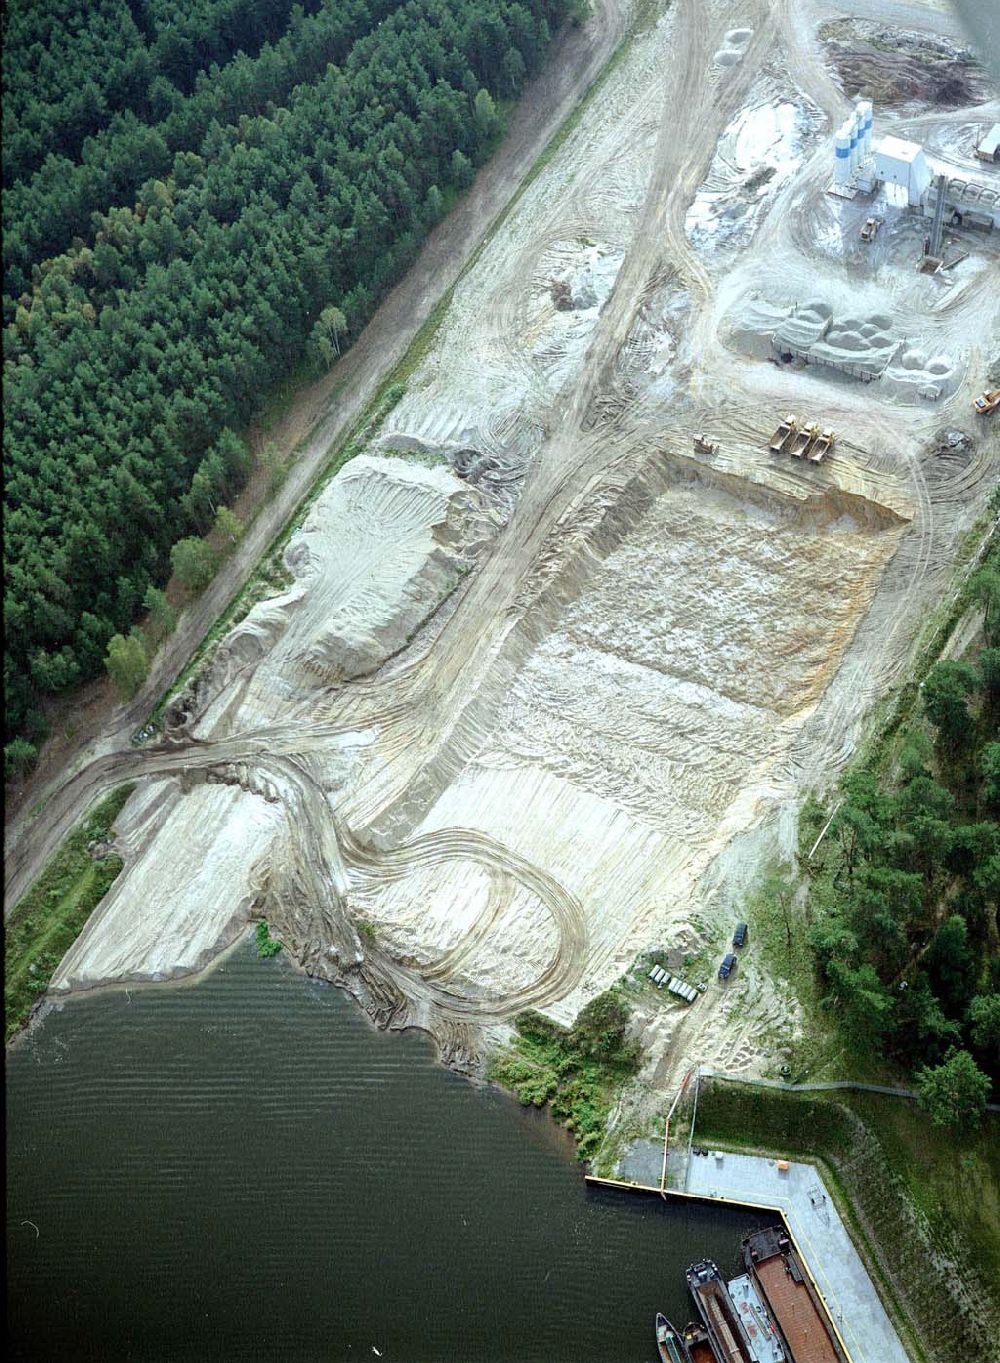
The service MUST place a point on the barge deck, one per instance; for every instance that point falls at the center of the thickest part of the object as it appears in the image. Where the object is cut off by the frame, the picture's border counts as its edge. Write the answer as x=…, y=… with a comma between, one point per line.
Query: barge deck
x=718, y=1313
x=773, y=1265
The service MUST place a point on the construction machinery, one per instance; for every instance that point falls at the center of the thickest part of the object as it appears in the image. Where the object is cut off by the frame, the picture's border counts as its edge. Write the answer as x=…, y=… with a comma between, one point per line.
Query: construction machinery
x=987, y=402
x=804, y=438
x=782, y=437
x=702, y=444
x=870, y=228
x=822, y=445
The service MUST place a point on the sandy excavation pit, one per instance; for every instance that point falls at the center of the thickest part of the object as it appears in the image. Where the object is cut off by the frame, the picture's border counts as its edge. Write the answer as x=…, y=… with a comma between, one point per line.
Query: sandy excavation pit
x=634, y=734
x=545, y=690
x=511, y=348
x=758, y=153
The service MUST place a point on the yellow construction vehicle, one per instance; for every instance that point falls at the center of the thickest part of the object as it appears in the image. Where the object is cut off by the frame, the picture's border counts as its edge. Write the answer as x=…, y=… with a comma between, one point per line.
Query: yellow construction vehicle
x=781, y=439
x=987, y=402
x=822, y=445
x=803, y=439
x=870, y=228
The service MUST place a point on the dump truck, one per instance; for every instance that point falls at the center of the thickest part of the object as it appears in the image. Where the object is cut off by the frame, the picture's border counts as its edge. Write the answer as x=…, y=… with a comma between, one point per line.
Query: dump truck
x=870, y=228
x=803, y=439
x=987, y=402
x=821, y=446
x=783, y=435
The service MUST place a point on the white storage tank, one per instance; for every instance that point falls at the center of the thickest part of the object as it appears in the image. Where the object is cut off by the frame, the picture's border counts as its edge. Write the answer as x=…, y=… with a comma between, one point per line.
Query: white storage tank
x=842, y=155
x=867, y=115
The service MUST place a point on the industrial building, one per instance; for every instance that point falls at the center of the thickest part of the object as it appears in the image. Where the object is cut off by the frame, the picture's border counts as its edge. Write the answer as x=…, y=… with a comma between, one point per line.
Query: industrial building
x=903, y=164
x=860, y=166
x=989, y=148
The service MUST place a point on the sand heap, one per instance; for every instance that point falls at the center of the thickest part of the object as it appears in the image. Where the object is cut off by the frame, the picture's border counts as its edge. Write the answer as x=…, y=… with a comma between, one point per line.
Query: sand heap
x=383, y=545
x=862, y=346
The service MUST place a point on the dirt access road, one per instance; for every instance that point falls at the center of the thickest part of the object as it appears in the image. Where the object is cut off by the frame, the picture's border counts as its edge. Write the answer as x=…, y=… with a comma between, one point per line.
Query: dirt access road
x=575, y=458
x=577, y=59
x=437, y=686
x=701, y=674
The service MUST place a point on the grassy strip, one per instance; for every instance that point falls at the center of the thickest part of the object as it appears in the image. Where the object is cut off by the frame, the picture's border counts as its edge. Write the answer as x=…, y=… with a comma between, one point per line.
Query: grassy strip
x=48, y=920
x=921, y=1208
x=579, y=1073
x=266, y=944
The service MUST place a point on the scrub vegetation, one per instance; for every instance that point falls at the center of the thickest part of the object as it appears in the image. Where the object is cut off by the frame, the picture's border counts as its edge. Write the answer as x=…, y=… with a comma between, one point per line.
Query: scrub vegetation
x=266, y=944
x=201, y=200
x=903, y=890
x=923, y=1208
x=578, y=1072
x=48, y=920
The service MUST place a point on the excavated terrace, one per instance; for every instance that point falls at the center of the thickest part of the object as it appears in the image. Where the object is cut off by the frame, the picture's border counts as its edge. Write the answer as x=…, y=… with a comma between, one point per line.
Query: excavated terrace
x=546, y=684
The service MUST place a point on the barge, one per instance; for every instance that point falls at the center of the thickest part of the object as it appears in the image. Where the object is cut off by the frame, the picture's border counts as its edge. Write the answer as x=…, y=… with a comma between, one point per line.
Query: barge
x=698, y=1344
x=766, y=1344
x=669, y=1343
x=715, y=1306
x=805, y=1329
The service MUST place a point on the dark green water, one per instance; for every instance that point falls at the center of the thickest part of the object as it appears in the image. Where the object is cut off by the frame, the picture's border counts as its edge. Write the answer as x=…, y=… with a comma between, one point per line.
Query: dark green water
x=244, y=1169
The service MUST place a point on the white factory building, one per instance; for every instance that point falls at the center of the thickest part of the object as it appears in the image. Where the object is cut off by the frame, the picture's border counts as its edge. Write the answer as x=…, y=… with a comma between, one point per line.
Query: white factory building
x=860, y=165
x=989, y=147
x=904, y=165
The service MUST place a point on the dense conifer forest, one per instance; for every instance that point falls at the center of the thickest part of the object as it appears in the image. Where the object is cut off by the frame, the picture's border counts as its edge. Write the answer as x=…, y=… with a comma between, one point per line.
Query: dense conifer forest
x=905, y=893
x=188, y=188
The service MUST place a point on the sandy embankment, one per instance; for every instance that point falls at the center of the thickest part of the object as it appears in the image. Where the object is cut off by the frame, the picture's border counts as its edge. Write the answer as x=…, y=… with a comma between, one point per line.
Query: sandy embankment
x=586, y=749
x=381, y=548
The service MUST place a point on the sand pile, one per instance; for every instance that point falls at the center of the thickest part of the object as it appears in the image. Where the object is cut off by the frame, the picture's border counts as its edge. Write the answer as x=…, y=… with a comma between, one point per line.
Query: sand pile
x=187, y=890
x=382, y=546
x=864, y=345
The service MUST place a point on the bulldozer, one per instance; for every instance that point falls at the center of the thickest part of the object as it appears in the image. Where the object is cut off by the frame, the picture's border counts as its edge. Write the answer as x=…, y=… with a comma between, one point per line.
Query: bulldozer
x=703, y=445
x=987, y=402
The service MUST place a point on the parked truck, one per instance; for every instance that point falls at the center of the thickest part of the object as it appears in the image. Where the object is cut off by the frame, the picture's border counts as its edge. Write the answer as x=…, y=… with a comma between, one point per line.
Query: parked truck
x=781, y=439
